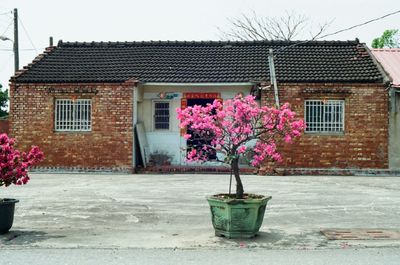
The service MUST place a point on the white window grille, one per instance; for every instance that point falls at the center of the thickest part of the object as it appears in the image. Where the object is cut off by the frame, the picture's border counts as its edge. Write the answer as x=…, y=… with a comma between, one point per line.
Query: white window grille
x=324, y=116
x=73, y=115
x=161, y=115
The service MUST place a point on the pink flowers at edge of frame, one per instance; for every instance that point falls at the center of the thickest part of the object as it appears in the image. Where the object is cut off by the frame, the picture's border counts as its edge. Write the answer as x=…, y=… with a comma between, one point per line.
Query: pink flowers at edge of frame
x=14, y=165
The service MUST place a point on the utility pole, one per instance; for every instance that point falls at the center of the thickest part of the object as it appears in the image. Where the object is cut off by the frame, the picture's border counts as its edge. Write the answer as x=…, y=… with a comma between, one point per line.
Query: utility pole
x=273, y=76
x=15, y=47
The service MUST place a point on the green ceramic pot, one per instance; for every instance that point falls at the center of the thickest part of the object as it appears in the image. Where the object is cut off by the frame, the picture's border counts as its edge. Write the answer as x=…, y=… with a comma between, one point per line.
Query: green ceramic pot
x=235, y=218
x=7, y=207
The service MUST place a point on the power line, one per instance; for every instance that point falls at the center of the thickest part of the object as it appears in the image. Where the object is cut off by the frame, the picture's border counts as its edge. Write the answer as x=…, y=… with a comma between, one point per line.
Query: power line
x=19, y=49
x=9, y=25
x=6, y=13
x=6, y=63
x=5, y=19
x=27, y=34
x=339, y=31
x=359, y=25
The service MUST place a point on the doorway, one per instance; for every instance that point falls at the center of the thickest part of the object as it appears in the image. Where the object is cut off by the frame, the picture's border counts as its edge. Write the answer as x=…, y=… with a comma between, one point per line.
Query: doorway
x=195, y=141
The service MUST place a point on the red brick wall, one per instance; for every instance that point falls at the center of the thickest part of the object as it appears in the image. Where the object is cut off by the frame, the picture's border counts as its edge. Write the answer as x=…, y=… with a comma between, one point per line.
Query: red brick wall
x=364, y=143
x=4, y=126
x=107, y=145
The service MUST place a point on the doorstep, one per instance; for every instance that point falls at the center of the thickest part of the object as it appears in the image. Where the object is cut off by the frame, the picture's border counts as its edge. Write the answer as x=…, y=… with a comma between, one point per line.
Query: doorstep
x=172, y=169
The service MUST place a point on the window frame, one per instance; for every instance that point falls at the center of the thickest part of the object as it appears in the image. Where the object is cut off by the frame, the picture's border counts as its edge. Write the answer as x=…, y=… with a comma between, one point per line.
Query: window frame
x=342, y=131
x=154, y=113
x=72, y=122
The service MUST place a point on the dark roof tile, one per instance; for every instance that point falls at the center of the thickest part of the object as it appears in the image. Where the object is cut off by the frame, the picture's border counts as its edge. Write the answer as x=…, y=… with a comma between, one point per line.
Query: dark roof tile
x=205, y=61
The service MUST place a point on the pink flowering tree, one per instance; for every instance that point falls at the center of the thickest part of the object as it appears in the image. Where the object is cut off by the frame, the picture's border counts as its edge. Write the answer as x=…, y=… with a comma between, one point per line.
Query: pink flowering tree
x=14, y=164
x=238, y=128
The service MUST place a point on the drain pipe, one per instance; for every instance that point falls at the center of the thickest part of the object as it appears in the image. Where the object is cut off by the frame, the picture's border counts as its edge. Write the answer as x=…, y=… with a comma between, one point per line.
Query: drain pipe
x=394, y=104
x=273, y=76
x=134, y=122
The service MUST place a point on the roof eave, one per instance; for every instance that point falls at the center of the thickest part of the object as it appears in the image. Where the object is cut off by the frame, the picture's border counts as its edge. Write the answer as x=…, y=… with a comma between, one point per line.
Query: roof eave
x=198, y=84
x=387, y=79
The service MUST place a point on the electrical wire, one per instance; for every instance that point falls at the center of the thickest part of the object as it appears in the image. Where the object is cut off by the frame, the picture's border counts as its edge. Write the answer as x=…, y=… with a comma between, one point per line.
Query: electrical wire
x=27, y=34
x=6, y=63
x=5, y=19
x=337, y=32
x=359, y=25
x=19, y=49
x=9, y=25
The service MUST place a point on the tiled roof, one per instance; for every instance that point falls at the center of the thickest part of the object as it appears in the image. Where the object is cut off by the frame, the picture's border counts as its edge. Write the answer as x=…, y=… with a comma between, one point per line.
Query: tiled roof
x=390, y=60
x=202, y=62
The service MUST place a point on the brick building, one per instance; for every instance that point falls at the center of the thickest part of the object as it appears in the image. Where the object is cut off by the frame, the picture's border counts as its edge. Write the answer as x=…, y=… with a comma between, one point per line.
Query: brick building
x=110, y=105
x=390, y=61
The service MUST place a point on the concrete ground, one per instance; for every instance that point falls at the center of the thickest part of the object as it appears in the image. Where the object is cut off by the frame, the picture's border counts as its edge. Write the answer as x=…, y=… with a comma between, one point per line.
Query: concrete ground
x=199, y=257
x=92, y=211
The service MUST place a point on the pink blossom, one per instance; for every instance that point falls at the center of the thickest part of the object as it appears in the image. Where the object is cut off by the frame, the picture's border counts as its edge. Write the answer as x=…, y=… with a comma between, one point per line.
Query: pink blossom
x=229, y=126
x=288, y=139
x=187, y=136
x=14, y=165
x=241, y=149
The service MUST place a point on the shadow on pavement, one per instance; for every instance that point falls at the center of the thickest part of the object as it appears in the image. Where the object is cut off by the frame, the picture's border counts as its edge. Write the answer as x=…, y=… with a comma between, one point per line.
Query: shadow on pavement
x=276, y=238
x=272, y=236
x=20, y=238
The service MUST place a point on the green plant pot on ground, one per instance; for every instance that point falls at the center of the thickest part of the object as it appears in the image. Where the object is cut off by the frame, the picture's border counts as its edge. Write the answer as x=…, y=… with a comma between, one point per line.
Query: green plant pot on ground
x=7, y=207
x=237, y=218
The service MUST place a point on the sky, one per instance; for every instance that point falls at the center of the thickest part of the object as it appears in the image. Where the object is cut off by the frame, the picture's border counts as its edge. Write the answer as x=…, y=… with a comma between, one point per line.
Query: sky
x=133, y=20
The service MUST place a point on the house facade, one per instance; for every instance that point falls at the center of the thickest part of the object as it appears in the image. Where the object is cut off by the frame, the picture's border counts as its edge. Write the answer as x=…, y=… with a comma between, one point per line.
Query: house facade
x=112, y=105
x=390, y=61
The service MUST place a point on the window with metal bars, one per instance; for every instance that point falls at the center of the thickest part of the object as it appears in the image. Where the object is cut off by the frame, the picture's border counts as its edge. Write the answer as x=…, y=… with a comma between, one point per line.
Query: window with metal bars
x=73, y=115
x=161, y=115
x=324, y=116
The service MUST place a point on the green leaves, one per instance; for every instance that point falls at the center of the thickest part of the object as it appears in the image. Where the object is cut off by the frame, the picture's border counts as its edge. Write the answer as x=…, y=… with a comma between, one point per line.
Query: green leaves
x=389, y=39
x=3, y=102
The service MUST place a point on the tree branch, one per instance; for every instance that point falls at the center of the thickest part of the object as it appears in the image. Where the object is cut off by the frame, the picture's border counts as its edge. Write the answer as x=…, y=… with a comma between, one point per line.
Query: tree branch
x=253, y=27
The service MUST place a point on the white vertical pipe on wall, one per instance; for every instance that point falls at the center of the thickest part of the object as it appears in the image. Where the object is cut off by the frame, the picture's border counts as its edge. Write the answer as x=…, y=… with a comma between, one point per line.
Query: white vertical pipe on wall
x=134, y=122
x=273, y=76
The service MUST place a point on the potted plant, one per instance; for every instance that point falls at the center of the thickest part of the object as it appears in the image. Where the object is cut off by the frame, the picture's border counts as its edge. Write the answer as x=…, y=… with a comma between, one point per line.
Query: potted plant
x=238, y=128
x=14, y=167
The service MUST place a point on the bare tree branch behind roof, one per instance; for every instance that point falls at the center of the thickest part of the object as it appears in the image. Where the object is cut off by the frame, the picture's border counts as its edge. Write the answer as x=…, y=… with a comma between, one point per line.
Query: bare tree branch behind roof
x=253, y=27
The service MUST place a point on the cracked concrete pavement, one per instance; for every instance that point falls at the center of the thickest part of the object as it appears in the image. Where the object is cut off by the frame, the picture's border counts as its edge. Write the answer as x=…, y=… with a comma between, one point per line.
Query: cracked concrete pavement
x=170, y=211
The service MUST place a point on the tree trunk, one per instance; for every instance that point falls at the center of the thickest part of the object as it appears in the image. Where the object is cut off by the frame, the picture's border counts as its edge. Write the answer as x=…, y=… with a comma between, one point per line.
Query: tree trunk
x=239, y=185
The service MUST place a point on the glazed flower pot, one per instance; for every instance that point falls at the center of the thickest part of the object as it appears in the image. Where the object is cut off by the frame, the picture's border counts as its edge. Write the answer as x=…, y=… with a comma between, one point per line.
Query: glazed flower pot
x=7, y=207
x=237, y=218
